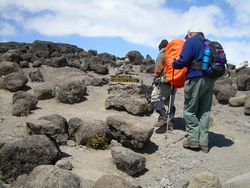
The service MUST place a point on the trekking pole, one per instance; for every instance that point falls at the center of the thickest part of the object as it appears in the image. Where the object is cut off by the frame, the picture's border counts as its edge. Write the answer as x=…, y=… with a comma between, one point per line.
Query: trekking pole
x=170, y=101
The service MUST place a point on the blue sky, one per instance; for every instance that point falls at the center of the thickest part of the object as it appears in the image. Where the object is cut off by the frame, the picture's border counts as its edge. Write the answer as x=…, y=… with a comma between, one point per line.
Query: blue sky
x=119, y=26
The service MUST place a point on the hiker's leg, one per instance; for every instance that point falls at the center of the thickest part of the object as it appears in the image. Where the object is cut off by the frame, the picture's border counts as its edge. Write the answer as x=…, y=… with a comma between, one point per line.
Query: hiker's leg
x=204, y=109
x=166, y=92
x=156, y=98
x=172, y=107
x=160, y=109
x=192, y=90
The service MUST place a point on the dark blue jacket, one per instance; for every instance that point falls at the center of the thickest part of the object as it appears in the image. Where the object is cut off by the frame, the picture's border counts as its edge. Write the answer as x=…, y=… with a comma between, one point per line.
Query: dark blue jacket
x=193, y=50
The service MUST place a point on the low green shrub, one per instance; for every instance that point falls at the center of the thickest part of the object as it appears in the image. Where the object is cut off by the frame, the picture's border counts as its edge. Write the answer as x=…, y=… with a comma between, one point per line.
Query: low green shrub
x=98, y=141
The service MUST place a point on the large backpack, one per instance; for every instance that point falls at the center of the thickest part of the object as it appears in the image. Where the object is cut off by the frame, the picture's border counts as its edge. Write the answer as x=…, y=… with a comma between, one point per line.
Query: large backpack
x=172, y=52
x=218, y=62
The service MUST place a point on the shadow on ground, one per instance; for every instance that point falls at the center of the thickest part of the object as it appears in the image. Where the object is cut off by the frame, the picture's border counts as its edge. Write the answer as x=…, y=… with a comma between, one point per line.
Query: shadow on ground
x=219, y=140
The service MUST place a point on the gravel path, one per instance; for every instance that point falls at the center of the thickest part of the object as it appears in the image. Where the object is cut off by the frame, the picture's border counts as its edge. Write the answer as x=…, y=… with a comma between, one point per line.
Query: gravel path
x=167, y=161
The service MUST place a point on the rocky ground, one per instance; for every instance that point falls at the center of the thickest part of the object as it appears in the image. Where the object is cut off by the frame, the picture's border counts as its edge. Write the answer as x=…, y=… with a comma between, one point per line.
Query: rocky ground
x=167, y=161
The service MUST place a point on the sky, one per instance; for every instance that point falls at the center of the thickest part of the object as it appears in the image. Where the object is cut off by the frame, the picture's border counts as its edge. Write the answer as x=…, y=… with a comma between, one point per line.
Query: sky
x=120, y=26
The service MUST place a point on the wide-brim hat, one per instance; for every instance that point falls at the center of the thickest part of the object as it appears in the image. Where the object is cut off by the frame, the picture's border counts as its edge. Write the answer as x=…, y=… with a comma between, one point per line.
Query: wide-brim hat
x=193, y=29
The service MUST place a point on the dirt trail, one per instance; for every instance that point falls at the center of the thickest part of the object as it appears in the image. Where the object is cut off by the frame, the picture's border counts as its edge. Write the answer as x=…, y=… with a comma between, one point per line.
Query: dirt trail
x=167, y=160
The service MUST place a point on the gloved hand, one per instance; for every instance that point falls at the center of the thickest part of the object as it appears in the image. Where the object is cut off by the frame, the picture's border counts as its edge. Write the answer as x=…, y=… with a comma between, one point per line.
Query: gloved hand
x=173, y=62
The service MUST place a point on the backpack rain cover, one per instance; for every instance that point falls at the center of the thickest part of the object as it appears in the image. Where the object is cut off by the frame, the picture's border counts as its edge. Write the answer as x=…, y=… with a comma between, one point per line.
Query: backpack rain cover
x=172, y=52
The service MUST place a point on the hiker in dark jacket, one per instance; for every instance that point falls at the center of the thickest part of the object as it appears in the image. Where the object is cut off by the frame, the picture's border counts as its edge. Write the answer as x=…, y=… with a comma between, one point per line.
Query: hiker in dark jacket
x=198, y=91
x=162, y=89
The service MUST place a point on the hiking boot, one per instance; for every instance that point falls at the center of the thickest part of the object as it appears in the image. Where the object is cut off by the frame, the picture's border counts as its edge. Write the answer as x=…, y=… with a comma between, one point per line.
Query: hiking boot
x=190, y=144
x=160, y=123
x=204, y=149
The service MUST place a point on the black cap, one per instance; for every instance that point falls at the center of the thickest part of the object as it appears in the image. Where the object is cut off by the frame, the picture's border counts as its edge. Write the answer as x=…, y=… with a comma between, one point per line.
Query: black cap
x=163, y=44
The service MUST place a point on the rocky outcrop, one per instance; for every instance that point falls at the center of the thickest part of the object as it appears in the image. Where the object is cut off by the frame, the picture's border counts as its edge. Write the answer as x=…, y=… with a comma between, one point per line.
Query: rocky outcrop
x=44, y=91
x=135, y=57
x=54, y=126
x=224, y=92
x=14, y=82
x=36, y=75
x=247, y=105
x=89, y=129
x=114, y=181
x=73, y=124
x=127, y=160
x=59, y=62
x=40, y=150
x=134, y=98
x=30, y=98
x=205, y=179
x=243, y=82
x=237, y=101
x=49, y=176
x=70, y=91
x=23, y=103
x=22, y=156
x=131, y=132
x=7, y=67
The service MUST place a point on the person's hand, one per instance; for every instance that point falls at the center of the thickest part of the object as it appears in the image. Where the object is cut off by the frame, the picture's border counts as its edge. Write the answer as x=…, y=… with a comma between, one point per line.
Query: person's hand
x=173, y=63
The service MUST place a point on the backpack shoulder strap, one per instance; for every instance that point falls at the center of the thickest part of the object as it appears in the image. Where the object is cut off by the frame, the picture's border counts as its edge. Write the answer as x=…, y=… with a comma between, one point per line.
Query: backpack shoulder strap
x=197, y=64
x=201, y=39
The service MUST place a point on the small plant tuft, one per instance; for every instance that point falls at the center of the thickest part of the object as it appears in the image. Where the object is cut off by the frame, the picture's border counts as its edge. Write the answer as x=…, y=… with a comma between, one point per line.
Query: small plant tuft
x=100, y=141
x=72, y=136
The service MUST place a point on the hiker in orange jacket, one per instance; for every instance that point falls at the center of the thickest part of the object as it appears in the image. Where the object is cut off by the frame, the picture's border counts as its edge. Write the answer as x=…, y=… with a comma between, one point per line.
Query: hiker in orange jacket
x=162, y=89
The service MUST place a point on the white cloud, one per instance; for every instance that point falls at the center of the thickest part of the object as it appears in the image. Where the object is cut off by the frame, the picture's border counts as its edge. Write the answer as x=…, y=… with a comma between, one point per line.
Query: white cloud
x=142, y=21
x=7, y=29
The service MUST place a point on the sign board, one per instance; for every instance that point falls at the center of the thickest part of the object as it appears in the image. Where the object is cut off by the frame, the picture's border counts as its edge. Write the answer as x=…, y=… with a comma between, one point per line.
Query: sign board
x=123, y=78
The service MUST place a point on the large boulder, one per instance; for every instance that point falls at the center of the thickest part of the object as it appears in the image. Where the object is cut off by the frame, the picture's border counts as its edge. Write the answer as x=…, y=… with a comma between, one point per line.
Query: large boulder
x=98, y=65
x=223, y=93
x=89, y=129
x=107, y=181
x=14, y=81
x=27, y=56
x=21, y=108
x=30, y=98
x=73, y=124
x=23, y=103
x=44, y=91
x=70, y=91
x=205, y=179
x=50, y=176
x=135, y=57
x=54, y=126
x=130, y=132
x=12, y=56
x=7, y=67
x=247, y=106
x=22, y=156
x=59, y=62
x=127, y=160
x=134, y=98
x=243, y=83
x=36, y=75
x=237, y=101
x=42, y=48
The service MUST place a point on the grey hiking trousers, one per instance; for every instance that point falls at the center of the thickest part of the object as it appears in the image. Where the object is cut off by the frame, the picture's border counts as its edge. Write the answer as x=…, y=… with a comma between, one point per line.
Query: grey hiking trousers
x=161, y=92
x=197, y=105
x=160, y=97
